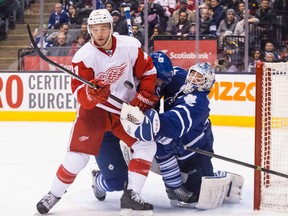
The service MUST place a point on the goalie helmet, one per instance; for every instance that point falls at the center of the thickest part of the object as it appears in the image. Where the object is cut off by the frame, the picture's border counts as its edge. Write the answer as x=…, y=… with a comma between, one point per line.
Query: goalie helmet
x=201, y=77
x=163, y=66
x=99, y=16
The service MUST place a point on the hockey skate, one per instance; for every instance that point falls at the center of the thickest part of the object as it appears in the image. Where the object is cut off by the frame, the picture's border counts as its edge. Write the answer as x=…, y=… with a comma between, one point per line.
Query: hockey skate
x=46, y=203
x=132, y=204
x=181, y=197
x=99, y=194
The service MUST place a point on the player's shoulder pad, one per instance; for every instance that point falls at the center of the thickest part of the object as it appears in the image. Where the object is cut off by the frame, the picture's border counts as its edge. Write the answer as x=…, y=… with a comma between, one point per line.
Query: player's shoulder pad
x=83, y=53
x=128, y=40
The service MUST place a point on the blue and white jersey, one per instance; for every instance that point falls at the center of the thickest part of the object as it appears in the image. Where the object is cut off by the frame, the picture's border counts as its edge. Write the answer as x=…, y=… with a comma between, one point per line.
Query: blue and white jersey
x=186, y=117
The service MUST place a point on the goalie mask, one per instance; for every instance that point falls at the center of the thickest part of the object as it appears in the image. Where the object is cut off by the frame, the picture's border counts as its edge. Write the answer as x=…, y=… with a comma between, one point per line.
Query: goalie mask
x=163, y=66
x=200, y=77
x=99, y=16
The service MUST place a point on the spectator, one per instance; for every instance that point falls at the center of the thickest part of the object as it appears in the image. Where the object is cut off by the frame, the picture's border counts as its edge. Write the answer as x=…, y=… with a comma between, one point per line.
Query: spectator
x=235, y=53
x=84, y=31
x=101, y=4
x=192, y=30
x=269, y=57
x=61, y=48
x=37, y=37
x=52, y=38
x=84, y=12
x=20, y=12
x=137, y=34
x=119, y=25
x=156, y=16
x=240, y=26
x=138, y=19
x=182, y=27
x=183, y=7
x=240, y=11
x=270, y=48
x=190, y=4
x=264, y=16
x=218, y=12
x=168, y=6
x=157, y=31
x=80, y=41
x=226, y=26
x=58, y=17
x=221, y=64
x=256, y=56
x=67, y=3
x=207, y=27
x=73, y=17
x=84, y=4
x=110, y=6
x=133, y=7
x=122, y=12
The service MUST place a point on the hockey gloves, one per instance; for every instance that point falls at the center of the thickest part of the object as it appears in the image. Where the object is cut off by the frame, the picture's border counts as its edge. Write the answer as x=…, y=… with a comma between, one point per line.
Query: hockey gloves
x=144, y=100
x=140, y=126
x=99, y=94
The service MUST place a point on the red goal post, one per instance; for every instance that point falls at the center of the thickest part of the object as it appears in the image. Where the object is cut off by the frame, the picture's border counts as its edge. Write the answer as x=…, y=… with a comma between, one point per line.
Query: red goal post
x=271, y=136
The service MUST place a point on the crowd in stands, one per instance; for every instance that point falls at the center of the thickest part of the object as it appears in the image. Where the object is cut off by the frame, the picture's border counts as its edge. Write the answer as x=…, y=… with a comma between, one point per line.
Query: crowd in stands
x=12, y=12
x=220, y=19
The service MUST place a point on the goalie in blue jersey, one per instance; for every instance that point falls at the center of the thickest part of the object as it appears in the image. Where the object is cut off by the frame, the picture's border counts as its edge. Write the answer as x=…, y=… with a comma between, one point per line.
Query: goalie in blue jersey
x=189, y=177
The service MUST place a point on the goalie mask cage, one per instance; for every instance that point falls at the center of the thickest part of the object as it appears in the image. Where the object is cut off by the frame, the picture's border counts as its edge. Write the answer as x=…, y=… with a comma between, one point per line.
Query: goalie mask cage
x=271, y=136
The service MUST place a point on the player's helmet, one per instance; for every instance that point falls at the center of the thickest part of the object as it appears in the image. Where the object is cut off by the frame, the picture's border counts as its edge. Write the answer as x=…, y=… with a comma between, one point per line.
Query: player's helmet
x=99, y=16
x=194, y=81
x=163, y=66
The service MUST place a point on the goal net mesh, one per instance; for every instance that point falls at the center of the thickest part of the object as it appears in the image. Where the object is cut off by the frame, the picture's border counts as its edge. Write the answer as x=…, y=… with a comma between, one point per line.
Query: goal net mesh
x=274, y=136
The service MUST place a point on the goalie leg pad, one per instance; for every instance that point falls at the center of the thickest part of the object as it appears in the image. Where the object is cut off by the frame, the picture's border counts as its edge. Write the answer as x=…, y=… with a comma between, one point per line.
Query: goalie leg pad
x=213, y=191
x=235, y=188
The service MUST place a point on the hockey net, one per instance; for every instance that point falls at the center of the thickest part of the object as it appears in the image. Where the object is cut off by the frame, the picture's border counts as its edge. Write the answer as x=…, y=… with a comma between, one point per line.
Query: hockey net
x=271, y=136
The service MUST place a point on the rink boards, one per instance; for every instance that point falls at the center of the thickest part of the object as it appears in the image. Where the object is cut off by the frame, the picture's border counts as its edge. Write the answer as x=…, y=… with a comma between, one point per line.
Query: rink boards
x=46, y=96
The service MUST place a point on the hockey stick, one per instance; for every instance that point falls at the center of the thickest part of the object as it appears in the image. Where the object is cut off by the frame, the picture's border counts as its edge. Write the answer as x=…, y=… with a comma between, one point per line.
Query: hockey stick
x=63, y=69
x=128, y=20
x=206, y=153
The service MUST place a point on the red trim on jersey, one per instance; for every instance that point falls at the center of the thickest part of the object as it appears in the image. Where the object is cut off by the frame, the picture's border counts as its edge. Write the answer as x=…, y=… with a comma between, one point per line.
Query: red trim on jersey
x=65, y=176
x=141, y=66
x=140, y=166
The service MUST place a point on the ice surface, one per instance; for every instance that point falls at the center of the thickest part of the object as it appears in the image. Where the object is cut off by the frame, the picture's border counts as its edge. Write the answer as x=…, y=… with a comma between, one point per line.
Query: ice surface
x=31, y=153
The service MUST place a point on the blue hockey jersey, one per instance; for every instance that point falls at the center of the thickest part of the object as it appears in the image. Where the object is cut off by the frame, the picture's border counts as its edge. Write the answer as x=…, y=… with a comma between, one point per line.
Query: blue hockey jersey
x=186, y=118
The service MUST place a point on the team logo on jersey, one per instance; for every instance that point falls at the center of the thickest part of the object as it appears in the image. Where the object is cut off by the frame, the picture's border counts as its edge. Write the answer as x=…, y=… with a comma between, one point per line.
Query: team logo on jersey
x=113, y=74
x=190, y=99
x=83, y=138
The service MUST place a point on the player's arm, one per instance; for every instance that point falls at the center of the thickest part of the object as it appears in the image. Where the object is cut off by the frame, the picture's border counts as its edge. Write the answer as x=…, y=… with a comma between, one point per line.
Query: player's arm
x=84, y=94
x=146, y=73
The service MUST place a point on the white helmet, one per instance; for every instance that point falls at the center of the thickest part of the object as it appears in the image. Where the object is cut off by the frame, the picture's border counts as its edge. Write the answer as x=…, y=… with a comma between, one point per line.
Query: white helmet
x=195, y=82
x=99, y=16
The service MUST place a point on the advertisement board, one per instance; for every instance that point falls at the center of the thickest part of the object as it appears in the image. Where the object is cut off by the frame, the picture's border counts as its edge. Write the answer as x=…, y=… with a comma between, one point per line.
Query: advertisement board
x=183, y=52
x=35, y=63
x=46, y=96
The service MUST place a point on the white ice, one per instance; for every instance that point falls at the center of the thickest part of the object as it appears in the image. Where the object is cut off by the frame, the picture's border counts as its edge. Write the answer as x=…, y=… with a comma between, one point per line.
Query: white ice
x=31, y=153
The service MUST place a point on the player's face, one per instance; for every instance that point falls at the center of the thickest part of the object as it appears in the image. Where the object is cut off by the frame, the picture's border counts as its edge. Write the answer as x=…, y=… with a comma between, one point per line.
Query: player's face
x=196, y=78
x=101, y=33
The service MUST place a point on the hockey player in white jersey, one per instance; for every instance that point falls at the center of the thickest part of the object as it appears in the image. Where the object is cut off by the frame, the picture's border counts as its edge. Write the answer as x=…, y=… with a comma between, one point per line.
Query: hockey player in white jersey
x=108, y=62
x=185, y=122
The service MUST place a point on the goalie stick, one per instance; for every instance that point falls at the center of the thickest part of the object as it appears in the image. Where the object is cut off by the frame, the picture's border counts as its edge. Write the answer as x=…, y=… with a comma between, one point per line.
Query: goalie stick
x=259, y=168
x=63, y=69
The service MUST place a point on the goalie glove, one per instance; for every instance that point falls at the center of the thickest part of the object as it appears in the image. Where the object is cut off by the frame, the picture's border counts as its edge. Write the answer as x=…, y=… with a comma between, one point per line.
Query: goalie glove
x=140, y=126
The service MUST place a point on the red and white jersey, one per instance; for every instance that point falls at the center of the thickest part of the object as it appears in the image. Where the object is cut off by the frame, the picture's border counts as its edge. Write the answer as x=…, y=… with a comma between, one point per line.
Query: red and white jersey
x=125, y=62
